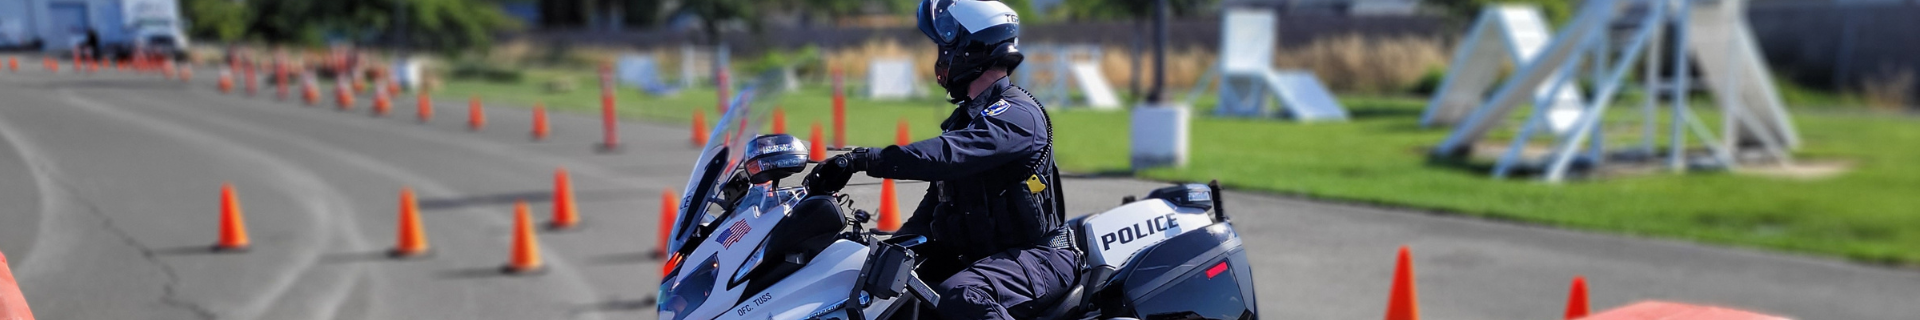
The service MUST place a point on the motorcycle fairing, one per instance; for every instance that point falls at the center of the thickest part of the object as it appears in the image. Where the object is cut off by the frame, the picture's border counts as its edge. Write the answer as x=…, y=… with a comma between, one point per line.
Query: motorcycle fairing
x=1112, y=237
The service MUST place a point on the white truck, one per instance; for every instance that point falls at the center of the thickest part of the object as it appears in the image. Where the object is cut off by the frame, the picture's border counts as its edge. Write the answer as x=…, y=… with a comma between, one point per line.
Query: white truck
x=118, y=26
x=152, y=26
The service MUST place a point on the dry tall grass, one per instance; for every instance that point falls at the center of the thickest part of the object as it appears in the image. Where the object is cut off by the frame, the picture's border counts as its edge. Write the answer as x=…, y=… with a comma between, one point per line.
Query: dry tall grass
x=853, y=60
x=1891, y=90
x=1350, y=63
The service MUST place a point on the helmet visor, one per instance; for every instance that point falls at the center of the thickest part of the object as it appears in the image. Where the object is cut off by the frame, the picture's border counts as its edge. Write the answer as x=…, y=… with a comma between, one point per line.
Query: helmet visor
x=937, y=23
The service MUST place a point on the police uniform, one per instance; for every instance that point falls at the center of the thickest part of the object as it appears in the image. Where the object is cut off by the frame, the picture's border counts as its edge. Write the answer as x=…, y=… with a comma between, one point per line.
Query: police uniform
x=993, y=211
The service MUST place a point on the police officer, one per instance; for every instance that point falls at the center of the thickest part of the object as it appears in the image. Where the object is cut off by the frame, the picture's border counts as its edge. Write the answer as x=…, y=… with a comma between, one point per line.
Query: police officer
x=993, y=212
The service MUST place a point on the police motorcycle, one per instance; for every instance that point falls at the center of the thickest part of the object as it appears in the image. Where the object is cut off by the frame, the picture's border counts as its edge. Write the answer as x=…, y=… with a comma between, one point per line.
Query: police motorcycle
x=1171, y=255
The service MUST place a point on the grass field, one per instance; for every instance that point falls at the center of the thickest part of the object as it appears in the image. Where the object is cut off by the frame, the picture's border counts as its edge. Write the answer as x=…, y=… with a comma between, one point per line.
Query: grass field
x=1870, y=213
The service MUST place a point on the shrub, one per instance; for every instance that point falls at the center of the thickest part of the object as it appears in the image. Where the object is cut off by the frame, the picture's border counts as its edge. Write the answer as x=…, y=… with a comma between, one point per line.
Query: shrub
x=486, y=71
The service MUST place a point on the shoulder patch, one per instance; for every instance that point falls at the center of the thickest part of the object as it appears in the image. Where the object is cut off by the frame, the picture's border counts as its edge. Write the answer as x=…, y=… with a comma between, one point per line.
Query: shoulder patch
x=996, y=109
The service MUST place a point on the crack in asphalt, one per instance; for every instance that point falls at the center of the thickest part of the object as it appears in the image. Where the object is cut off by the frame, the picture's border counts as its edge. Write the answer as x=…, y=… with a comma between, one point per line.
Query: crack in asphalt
x=169, y=290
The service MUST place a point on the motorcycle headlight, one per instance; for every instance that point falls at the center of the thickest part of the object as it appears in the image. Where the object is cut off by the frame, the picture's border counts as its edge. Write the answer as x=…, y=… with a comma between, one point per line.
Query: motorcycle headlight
x=753, y=262
x=681, y=297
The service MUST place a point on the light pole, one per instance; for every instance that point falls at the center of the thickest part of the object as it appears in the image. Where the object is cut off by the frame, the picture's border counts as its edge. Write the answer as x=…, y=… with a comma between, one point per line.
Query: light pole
x=1159, y=135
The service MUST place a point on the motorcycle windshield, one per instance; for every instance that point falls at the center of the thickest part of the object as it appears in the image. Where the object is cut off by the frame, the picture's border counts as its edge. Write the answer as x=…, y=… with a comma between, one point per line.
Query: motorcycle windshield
x=719, y=161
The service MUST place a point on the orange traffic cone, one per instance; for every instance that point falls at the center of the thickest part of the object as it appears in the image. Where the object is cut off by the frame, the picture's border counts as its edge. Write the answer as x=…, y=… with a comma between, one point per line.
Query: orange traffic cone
x=818, y=152
x=900, y=135
x=889, y=208
x=1577, y=300
x=779, y=120
x=310, y=93
x=669, y=209
x=13, y=304
x=51, y=66
x=539, y=122
x=699, y=128
x=248, y=80
x=342, y=97
x=525, y=258
x=381, y=103
x=425, y=109
x=186, y=74
x=226, y=81
x=1403, y=301
x=13, y=64
x=476, y=118
x=233, y=228
x=565, y=215
x=413, y=235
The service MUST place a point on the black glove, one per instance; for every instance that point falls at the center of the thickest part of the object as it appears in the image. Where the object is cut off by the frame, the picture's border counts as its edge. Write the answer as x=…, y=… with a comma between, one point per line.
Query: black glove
x=831, y=175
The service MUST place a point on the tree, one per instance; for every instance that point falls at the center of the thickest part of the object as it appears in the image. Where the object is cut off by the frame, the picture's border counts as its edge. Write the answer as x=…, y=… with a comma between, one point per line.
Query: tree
x=713, y=12
x=438, y=25
x=222, y=20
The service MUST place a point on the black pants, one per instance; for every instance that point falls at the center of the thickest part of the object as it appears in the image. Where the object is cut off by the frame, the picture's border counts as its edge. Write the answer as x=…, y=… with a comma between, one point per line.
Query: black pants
x=1001, y=286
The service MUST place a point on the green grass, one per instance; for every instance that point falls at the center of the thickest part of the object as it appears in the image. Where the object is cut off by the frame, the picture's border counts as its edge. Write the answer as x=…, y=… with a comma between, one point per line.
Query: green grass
x=1870, y=213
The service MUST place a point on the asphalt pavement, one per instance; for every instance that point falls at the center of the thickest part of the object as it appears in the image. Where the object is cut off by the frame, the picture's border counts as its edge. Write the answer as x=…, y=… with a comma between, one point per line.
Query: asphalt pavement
x=110, y=187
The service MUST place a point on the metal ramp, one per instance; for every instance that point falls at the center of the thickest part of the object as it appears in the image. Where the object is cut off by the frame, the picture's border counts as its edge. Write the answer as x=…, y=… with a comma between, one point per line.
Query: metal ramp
x=1588, y=47
x=1093, y=85
x=891, y=79
x=643, y=71
x=1306, y=97
x=1066, y=69
x=1247, y=78
x=1503, y=34
x=1720, y=32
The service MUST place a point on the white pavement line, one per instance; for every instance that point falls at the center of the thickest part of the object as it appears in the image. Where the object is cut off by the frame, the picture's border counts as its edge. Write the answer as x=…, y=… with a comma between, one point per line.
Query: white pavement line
x=57, y=197
x=52, y=203
x=336, y=291
x=316, y=198
x=559, y=265
x=466, y=140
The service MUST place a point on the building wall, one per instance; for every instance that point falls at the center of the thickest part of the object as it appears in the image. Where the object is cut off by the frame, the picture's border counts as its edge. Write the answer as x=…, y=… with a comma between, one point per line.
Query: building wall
x=1838, y=45
x=37, y=21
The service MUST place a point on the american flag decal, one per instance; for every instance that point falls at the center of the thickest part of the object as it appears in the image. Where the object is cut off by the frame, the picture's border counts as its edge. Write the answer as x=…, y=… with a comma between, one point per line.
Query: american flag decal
x=726, y=238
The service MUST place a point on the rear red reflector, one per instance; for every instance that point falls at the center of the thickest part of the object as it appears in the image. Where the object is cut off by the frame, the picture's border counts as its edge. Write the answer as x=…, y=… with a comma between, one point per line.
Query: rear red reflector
x=1216, y=269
